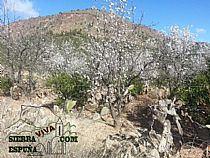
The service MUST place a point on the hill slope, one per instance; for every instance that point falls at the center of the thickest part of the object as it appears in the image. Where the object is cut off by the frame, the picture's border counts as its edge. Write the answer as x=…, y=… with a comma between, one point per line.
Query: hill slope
x=68, y=21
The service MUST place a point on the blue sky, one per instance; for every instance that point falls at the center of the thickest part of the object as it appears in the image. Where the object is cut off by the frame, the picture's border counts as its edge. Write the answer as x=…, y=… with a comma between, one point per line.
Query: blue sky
x=161, y=13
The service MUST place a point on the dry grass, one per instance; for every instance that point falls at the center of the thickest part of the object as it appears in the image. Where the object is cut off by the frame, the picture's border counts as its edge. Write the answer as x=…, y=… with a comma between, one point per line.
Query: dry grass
x=188, y=151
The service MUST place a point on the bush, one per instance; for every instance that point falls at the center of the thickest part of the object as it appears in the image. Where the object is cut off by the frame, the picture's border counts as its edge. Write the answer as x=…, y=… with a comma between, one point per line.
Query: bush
x=196, y=95
x=69, y=87
x=138, y=87
x=5, y=85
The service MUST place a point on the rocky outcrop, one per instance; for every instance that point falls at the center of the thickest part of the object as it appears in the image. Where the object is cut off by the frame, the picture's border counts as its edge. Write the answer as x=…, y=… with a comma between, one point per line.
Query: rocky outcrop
x=139, y=142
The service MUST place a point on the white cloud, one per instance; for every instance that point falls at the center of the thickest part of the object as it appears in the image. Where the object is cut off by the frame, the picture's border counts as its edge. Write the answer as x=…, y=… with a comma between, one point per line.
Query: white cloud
x=23, y=8
x=201, y=30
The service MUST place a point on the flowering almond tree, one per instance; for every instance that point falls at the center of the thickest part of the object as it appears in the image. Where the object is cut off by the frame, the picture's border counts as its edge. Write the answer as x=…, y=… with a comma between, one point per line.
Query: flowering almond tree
x=64, y=59
x=21, y=46
x=177, y=58
x=117, y=53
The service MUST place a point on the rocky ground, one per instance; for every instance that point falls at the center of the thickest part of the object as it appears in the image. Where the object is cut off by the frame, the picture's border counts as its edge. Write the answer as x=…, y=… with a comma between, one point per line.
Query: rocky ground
x=96, y=136
x=90, y=132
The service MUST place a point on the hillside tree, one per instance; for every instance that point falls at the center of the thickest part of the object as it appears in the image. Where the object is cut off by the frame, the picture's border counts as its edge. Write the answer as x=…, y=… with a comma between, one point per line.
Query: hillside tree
x=64, y=59
x=117, y=53
x=177, y=58
x=21, y=47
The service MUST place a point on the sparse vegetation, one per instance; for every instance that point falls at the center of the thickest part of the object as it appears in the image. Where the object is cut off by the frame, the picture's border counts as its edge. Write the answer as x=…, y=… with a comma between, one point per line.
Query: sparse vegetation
x=196, y=95
x=5, y=85
x=138, y=87
x=77, y=37
x=68, y=87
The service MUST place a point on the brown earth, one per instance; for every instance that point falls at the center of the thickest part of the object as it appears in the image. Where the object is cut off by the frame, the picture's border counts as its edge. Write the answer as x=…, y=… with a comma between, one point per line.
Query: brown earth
x=92, y=133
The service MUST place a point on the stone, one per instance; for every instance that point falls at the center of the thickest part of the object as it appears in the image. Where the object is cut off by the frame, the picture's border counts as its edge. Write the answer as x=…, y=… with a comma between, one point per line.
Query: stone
x=96, y=116
x=130, y=98
x=106, y=115
x=154, y=154
x=105, y=111
x=56, y=108
x=15, y=92
x=179, y=103
x=167, y=140
x=98, y=96
x=37, y=116
x=142, y=148
x=168, y=101
x=208, y=126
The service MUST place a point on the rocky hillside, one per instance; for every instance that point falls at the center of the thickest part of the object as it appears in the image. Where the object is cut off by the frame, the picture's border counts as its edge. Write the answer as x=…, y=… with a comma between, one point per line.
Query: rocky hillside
x=68, y=21
x=80, y=20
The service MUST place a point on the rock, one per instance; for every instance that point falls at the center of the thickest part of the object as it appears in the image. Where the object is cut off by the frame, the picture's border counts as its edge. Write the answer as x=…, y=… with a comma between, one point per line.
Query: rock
x=56, y=109
x=98, y=96
x=105, y=111
x=142, y=148
x=15, y=92
x=168, y=101
x=154, y=154
x=106, y=115
x=179, y=103
x=130, y=98
x=167, y=140
x=208, y=126
x=37, y=116
x=18, y=127
x=96, y=116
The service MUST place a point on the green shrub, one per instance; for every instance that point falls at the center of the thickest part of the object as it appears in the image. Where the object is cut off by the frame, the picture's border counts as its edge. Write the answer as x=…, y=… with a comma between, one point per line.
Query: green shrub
x=5, y=85
x=138, y=87
x=71, y=87
x=196, y=95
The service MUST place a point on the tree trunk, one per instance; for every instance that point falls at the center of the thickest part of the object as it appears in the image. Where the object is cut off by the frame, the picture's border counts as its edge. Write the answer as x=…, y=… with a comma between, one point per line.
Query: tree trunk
x=12, y=73
x=116, y=118
x=30, y=82
x=19, y=77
